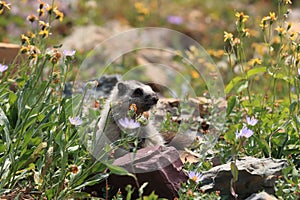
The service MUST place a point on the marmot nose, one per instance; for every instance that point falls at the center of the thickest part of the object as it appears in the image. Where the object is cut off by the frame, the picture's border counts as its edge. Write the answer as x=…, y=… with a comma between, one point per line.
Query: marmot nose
x=153, y=98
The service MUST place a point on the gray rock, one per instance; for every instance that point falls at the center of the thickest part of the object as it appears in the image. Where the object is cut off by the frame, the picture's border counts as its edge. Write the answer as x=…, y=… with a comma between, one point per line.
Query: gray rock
x=85, y=38
x=261, y=196
x=254, y=175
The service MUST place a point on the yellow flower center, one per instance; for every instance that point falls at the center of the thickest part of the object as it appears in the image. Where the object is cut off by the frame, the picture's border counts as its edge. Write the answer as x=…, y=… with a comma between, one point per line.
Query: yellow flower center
x=194, y=178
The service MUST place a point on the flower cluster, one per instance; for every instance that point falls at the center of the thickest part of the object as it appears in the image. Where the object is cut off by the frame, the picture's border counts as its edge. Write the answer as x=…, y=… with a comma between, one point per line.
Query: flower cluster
x=76, y=121
x=3, y=68
x=246, y=132
x=141, y=10
x=241, y=17
x=129, y=123
x=135, y=120
x=173, y=19
x=268, y=20
x=30, y=39
x=54, y=55
x=228, y=36
x=195, y=176
x=242, y=31
x=4, y=6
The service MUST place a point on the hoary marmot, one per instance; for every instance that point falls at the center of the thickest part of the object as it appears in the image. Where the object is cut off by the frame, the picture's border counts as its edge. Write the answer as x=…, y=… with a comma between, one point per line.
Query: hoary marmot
x=125, y=94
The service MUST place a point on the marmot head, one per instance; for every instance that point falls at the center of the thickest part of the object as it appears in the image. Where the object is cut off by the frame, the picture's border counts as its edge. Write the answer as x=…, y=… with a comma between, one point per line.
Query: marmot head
x=137, y=93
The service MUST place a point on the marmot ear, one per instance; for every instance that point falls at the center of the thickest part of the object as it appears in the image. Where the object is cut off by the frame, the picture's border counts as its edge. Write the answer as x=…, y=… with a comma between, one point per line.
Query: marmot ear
x=121, y=88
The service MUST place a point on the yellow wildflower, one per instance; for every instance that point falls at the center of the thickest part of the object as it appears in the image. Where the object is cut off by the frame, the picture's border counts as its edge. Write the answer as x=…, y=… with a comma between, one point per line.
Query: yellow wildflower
x=50, y=9
x=194, y=74
x=255, y=61
x=215, y=53
x=141, y=9
x=263, y=24
x=280, y=30
x=4, y=6
x=24, y=49
x=228, y=36
x=33, y=52
x=41, y=6
x=266, y=18
x=44, y=25
x=272, y=16
x=31, y=18
x=246, y=32
x=293, y=35
x=41, y=12
x=30, y=34
x=25, y=39
x=59, y=15
x=289, y=25
x=288, y=1
x=241, y=17
x=44, y=33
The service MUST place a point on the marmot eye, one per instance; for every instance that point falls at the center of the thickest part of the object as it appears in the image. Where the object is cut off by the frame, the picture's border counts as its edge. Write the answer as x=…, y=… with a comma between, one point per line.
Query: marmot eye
x=138, y=92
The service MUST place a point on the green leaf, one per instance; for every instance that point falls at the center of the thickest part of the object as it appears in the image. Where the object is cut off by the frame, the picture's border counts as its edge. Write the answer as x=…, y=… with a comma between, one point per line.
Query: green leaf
x=92, y=181
x=237, y=79
x=58, y=46
x=4, y=122
x=50, y=194
x=129, y=192
x=231, y=103
x=141, y=189
x=234, y=171
x=229, y=137
x=232, y=83
x=293, y=106
x=256, y=70
x=80, y=195
x=282, y=77
x=118, y=170
x=152, y=196
x=296, y=120
x=242, y=86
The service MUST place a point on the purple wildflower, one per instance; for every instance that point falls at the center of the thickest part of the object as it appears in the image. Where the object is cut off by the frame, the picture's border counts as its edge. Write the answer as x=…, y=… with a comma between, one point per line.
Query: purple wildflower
x=76, y=121
x=195, y=176
x=173, y=19
x=299, y=71
x=244, y=132
x=69, y=53
x=251, y=121
x=3, y=68
x=129, y=123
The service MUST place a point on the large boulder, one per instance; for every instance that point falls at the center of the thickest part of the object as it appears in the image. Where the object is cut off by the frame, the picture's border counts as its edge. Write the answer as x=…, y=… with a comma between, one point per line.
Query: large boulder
x=159, y=166
x=255, y=174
